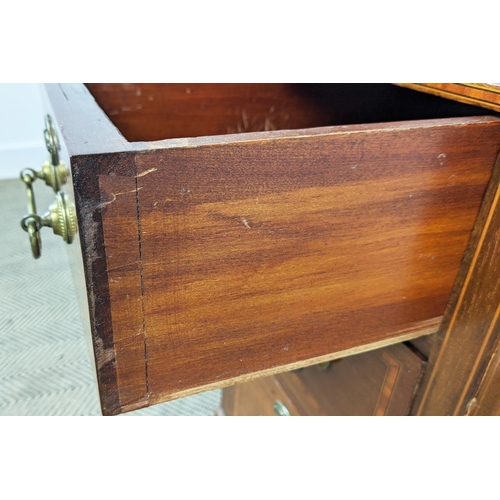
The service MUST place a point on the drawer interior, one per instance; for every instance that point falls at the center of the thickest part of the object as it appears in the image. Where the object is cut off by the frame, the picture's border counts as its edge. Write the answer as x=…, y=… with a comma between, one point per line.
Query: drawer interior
x=157, y=111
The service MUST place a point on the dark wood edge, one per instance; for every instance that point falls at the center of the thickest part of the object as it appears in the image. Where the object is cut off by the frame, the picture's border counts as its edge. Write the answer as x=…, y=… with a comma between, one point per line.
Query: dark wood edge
x=483, y=95
x=95, y=147
x=86, y=170
x=486, y=402
x=440, y=393
x=85, y=128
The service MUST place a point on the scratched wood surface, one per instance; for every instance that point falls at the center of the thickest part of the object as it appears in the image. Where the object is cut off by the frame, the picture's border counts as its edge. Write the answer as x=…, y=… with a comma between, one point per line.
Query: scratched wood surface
x=157, y=111
x=258, y=254
x=161, y=111
x=381, y=382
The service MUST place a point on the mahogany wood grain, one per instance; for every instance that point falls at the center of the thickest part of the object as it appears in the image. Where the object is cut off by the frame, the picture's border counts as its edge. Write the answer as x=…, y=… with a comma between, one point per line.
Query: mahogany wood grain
x=478, y=94
x=123, y=262
x=469, y=333
x=379, y=383
x=260, y=252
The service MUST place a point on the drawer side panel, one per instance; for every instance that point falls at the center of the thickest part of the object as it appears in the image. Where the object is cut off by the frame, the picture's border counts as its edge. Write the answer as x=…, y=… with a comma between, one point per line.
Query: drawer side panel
x=258, y=255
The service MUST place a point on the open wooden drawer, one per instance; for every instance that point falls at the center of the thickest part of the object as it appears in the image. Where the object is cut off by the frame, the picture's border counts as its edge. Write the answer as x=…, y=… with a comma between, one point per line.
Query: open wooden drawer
x=247, y=230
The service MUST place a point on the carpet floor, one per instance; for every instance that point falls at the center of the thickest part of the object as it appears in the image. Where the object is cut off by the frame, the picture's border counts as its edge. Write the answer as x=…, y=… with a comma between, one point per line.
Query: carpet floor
x=44, y=360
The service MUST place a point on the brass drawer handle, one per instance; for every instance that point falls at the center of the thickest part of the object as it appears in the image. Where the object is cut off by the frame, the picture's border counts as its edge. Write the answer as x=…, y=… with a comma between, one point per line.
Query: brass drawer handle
x=280, y=409
x=54, y=171
x=61, y=216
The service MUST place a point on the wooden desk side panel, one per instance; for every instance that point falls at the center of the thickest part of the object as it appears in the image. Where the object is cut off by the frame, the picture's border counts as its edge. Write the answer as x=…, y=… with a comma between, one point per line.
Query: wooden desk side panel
x=258, y=255
x=487, y=399
x=469, y=333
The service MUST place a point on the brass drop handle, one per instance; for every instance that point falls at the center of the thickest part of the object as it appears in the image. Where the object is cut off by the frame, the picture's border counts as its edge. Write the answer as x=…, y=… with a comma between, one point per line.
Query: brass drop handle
x=61, y=216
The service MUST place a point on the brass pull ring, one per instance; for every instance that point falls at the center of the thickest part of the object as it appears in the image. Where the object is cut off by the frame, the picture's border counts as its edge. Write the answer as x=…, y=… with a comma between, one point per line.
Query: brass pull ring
x=33, y=228
x=61, y=216
x=31, y=223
